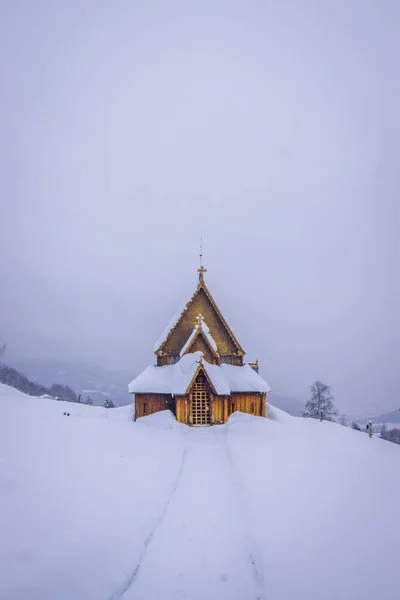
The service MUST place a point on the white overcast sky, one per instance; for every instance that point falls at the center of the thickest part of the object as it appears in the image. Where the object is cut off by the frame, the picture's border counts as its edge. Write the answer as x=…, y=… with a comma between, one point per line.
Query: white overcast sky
x=127, y=128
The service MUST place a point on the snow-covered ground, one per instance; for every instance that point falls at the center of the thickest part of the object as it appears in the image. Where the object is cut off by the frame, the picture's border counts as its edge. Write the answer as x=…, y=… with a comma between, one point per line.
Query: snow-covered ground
x=96, y=507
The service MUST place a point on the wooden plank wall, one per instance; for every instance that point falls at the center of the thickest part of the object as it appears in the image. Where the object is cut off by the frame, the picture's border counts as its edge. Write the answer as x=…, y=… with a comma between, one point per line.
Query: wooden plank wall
x=251, y=404
x=264, y=405
x=147, y=404
x=217, y=409
x=221, y=406
x=182, y=409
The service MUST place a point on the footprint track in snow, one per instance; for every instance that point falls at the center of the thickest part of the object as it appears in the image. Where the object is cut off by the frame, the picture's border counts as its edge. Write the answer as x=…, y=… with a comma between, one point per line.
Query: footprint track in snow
x=200, y=547
x=129, y=581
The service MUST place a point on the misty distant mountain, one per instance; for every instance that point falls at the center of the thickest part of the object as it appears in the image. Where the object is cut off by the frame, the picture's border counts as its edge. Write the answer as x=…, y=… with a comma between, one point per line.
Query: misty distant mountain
x=294, y=406
x=390, y=417
x=85, y=379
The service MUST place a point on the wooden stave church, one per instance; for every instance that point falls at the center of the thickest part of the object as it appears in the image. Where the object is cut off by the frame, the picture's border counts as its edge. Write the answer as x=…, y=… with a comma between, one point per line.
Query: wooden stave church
x=200, y=374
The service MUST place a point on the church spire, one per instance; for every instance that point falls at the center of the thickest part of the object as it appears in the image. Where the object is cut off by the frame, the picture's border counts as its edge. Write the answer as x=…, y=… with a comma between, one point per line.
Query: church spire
x=202, y=270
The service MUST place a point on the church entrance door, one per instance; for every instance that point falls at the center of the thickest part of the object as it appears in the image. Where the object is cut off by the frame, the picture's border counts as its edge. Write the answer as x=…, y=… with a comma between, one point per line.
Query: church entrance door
x=200, y=402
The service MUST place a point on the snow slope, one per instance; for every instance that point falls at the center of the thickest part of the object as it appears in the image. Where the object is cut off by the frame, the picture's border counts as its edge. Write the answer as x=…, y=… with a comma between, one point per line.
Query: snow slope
x=98, y=507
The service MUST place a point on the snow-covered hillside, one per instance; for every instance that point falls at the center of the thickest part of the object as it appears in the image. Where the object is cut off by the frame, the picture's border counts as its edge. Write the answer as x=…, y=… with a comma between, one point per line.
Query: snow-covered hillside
x=94, y=506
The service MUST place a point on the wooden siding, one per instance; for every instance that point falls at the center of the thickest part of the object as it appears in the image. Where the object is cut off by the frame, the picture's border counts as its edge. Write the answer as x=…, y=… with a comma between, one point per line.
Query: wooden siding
x=178, y=338
x=147, y=404
x=221, y=406
x=163, y=360
x=264, y=404
x=182, y=409
x=217, y=410
x=250, y=403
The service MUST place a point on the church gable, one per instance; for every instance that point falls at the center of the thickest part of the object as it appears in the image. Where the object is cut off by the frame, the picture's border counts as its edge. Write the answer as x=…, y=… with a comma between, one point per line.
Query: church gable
x=201, y=303
x=202, y=377
x=200, y=344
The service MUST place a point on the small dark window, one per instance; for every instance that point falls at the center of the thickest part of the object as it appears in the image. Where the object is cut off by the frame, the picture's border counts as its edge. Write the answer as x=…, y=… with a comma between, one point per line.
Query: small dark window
x=226, y=359
x=173, y=360
x=233, y=407
x=144, y=408
x=252, y=408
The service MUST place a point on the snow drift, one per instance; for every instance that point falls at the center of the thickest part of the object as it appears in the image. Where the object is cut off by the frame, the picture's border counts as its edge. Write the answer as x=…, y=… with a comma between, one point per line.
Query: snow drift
x=94, y=506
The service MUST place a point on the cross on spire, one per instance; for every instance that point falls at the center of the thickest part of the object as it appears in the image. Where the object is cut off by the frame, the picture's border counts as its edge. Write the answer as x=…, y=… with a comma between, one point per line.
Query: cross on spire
x=202, y=270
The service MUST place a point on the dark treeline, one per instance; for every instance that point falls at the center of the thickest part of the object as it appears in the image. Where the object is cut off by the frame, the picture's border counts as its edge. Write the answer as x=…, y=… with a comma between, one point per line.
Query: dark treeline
x=391, y=435
x=17, y=380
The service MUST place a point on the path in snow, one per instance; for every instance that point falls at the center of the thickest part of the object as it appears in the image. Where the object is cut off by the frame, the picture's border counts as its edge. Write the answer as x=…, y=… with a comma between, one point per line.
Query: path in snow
x=201, y=548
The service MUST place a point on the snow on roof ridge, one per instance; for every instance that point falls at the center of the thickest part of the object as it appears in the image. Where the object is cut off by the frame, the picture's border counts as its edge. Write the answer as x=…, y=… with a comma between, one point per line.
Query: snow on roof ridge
x=205, y=329
x=189, y=340
x=175, y=379
x=210, y=338
x=162, y=338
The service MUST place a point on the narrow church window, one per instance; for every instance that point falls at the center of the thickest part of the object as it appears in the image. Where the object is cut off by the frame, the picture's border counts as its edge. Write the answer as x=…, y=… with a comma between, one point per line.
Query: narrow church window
x=144, y=408
x=233, y=407
x=252, y=408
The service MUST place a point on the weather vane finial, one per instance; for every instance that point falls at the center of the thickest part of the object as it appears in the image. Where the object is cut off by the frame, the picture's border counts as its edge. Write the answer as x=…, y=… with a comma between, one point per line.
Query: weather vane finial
x=202, y=270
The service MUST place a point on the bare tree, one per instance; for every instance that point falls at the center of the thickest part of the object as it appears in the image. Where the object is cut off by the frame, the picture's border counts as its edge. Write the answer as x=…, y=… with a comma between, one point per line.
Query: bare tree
x=320, y=405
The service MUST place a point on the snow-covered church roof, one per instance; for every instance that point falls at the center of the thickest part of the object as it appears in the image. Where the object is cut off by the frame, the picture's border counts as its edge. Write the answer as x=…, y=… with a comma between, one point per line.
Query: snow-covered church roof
x=201, y=287
x=176, y=379
x=200, y=327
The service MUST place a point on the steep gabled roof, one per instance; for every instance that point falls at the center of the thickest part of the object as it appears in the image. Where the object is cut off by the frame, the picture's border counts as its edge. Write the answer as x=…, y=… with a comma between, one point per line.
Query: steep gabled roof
x=180, y=313
x=201, y=368
x=203, y=331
